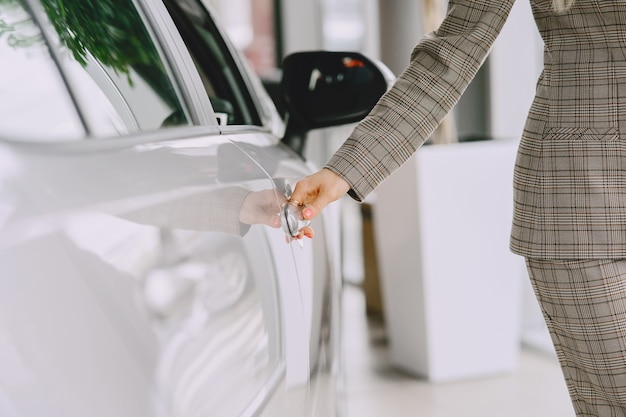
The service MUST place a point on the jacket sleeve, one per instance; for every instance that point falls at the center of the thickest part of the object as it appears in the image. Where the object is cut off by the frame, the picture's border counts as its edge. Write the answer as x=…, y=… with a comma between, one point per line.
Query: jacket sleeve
x=442, y=65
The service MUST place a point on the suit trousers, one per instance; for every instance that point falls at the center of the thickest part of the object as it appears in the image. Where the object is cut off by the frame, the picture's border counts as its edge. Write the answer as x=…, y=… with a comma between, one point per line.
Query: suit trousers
x=584, y=305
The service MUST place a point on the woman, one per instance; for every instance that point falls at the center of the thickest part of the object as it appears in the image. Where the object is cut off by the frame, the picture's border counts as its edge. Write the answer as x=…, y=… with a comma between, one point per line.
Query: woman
x=570, y=177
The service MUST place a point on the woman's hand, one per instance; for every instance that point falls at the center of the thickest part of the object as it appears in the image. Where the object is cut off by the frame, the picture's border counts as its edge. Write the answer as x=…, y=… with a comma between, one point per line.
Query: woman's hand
x=317, y=191
x=311, y=194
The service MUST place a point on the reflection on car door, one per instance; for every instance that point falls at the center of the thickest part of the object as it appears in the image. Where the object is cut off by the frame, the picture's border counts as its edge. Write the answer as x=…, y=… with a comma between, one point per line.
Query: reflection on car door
x=127, y=284
x=308, y=289
x=131, y=296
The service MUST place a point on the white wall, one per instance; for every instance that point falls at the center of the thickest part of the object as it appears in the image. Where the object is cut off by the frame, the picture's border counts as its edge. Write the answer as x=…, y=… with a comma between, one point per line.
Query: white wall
x=302, y=27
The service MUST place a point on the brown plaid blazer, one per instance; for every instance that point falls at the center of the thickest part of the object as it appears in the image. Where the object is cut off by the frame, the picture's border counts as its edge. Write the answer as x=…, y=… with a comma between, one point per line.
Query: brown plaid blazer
x=570, y=176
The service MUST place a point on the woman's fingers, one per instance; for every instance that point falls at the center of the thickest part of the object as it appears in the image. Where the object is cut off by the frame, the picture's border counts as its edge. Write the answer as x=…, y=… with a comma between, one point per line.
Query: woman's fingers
x=304, y=232
x=307, y=232
x=312, y=194
x=318, y=190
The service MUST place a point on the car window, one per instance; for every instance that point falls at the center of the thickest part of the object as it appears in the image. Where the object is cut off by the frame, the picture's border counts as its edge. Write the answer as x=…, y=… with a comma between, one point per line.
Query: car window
x=115, y=71
x=220, y=75
x=35, y=103
x=115, y=65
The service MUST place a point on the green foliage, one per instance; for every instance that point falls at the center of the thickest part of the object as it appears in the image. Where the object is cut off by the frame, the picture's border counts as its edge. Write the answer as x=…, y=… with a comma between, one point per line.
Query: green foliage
x=110, y=30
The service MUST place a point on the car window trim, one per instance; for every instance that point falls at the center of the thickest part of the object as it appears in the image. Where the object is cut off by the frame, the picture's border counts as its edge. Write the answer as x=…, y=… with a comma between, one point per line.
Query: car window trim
x=91, y=132
x=184, y=72
x=110, y=143
x=231, y=129
x=48, y=33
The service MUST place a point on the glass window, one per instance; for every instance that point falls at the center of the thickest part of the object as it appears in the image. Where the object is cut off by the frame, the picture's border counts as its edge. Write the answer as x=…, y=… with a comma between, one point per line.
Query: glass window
x=222, y=80
x=117, y=75
x=120, y=79
x=34, y=104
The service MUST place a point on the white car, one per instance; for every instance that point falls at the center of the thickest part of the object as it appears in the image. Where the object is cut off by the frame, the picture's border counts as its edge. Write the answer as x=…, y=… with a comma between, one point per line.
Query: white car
x=144, y=265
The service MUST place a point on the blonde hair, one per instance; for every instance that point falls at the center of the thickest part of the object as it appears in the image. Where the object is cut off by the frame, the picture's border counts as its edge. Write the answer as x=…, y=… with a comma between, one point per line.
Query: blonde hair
x=562, y=5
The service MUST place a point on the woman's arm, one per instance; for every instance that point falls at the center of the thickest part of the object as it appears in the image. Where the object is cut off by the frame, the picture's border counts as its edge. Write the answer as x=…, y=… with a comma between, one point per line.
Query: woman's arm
x=442, y=65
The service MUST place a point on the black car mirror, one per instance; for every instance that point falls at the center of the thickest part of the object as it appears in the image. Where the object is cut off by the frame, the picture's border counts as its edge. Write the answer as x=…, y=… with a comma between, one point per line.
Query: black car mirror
x=323, y=89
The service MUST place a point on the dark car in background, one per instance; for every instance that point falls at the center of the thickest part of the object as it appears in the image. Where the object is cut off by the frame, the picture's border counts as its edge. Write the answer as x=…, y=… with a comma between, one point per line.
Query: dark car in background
x=143, y=172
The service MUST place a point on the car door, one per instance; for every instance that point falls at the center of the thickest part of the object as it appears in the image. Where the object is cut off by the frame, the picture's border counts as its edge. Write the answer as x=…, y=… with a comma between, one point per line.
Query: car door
x=128, y=284
x=309, y=284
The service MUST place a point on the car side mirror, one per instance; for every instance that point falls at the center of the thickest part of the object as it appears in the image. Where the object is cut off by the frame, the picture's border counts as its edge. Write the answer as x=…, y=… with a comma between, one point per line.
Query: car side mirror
x=322, y=89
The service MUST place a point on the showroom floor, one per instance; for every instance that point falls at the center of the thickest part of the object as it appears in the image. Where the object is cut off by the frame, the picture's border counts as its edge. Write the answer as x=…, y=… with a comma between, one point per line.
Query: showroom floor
x=374, y=388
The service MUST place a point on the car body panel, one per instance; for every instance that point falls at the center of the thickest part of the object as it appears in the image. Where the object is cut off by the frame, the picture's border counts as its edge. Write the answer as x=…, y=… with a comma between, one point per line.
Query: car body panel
x=128, y=286
x=119, y=285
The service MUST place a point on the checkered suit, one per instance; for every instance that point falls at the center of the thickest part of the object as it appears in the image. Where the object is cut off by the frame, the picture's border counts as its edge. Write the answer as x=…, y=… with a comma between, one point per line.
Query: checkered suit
x=569, y=179
x=584, y=305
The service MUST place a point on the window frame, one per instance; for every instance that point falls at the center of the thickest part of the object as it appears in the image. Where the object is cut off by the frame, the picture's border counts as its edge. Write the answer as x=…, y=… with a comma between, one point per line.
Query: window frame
x=39, y=17
x=194, y=106
x=179, y=61
x=43, y=65
x=182, y=73
x=190, y=80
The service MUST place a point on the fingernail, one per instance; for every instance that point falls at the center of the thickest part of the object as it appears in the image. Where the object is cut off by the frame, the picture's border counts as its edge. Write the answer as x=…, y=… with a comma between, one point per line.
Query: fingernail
x=307, y=213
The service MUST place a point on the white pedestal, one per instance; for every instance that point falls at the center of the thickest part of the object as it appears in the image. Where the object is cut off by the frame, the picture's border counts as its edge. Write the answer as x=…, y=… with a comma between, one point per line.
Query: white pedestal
x=451, y=288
